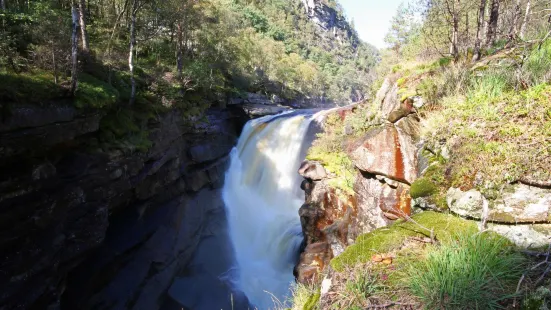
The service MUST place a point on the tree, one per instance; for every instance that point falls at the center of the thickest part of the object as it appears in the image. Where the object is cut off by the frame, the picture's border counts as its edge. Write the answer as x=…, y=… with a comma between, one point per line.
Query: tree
x=479, y=25
x=525, y=21
x=492, y=23
x=82, y=21
x=74, y=48
x=3, y=5
x=134, y=12
x=401, y=28
x=516, y=17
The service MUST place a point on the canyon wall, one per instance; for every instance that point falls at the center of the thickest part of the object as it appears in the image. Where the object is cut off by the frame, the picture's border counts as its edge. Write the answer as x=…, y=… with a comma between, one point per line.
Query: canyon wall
x=86, y=227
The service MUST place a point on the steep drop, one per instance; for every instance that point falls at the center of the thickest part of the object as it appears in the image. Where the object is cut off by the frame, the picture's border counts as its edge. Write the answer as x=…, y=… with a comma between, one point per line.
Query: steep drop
x=262, y=196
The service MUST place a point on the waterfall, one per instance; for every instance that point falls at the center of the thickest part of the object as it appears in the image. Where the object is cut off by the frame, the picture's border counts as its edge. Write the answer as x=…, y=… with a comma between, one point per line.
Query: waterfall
x=262, y=196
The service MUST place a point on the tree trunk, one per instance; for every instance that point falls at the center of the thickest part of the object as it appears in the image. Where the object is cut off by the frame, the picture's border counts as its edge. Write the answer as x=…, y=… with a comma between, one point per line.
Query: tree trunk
x=525, y=21
x=516, y=17
x=54, y=63
x=74, y=48
x=179, y=53
x=455, y=34
x=131, y=51
x=82, y=21
x=492, y=23
x=479, y=25
x=3, y=5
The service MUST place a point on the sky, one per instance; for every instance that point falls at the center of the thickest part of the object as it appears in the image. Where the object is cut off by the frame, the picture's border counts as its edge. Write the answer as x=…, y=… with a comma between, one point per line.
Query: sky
x=371, y=17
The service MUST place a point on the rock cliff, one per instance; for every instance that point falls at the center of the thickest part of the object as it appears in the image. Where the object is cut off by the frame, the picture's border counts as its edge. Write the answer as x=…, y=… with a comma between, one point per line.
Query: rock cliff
x=85, y=228
x=386, y=164
x=333, y=28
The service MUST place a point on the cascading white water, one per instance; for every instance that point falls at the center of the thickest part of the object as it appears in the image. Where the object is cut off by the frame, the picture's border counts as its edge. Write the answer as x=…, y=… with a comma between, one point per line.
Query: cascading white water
x=262, y=196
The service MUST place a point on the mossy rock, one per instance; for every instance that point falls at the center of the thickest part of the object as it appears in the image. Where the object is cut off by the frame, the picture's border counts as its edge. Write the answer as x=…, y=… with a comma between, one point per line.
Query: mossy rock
x=422, y=188
x=390, y=238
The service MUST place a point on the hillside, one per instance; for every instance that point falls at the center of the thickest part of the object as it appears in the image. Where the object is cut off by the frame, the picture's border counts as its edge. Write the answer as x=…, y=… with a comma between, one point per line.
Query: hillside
x=436, y=193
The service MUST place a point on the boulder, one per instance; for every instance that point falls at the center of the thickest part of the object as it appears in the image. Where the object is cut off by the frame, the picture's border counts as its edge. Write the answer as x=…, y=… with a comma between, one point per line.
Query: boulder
x=468, y=204
x=406, y=108
x=378, y=202
x=517, y=204
x=522, y=203
x=410, y=126
x=388, y=98
x=386, y=151
x=312, y=170
x=524, y=236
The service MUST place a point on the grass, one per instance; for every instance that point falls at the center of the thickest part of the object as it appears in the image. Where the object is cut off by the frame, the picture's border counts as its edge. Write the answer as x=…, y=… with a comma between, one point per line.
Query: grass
x=390, y=238
x=477, y=271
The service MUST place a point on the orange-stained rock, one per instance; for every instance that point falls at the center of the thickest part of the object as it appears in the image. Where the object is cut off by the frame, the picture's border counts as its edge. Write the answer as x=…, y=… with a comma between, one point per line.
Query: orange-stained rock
x=386, y=151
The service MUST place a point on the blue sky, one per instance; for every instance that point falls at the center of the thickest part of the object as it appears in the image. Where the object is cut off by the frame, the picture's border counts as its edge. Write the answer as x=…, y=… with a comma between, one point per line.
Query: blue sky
x=371, y=17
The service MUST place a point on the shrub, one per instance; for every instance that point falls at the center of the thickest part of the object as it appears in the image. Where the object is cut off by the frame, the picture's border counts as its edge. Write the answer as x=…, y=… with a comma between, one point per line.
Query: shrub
x=537, y=68
x=471, y=272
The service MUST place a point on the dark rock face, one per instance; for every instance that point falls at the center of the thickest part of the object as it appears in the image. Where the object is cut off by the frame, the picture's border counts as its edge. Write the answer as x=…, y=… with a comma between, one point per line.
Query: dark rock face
x=83, y=229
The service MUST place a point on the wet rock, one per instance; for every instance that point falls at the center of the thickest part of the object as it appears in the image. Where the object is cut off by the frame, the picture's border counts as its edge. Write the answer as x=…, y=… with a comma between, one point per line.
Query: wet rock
x=44, y=171
x=312, y=170
x=211, y=149
x=259, y=110
x=37, y=139
x=386, y=151
x=326, y=220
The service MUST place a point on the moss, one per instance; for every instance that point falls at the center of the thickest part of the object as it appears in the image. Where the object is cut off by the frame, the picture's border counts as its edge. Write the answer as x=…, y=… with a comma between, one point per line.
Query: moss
x=390, y=238
x=422, y=188
x=502, y=218
x=401, y=81
x=30, y=87
x=93, y=93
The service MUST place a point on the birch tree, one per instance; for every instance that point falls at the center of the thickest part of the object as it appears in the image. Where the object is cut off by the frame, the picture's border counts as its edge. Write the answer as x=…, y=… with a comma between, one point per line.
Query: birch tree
x=134, y=12
x=525, y=21
x=74, y=48
x=82, y=21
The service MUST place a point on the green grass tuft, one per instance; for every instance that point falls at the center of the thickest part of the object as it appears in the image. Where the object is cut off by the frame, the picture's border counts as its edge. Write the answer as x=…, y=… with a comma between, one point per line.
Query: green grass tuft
x=477, y=271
